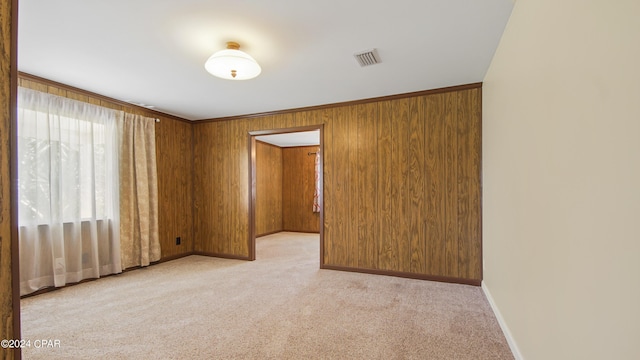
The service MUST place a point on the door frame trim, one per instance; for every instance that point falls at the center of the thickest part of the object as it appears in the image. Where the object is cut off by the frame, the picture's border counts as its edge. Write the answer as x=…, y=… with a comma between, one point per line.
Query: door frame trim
x=252, y=182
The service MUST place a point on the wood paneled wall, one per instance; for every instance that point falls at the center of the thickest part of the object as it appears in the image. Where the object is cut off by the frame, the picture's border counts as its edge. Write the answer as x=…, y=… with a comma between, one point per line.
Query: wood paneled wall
x=268, y=189
x=221, y=201
x=7, y=64
x=401, y=184
x=298, y=186
x=174, y=148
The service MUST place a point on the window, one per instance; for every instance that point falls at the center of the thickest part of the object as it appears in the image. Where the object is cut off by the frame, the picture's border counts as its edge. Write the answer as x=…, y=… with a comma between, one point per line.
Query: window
x=68, y=190
x=78, y=150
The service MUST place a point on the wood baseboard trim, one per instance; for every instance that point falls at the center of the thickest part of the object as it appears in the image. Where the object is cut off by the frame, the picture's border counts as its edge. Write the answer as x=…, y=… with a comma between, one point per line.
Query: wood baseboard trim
x=223, y=256
x=302, y=231
x=288, y=230
x=407, y=275
x=349, y=103
x=269, y=233
x=173, y=257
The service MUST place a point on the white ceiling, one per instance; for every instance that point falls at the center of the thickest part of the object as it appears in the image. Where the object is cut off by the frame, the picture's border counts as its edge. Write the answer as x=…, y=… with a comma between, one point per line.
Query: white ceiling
x=153, y=51
x=302, y=138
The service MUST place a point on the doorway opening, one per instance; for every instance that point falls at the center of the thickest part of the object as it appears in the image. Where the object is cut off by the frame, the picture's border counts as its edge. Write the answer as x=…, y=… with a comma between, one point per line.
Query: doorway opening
x=287, y=138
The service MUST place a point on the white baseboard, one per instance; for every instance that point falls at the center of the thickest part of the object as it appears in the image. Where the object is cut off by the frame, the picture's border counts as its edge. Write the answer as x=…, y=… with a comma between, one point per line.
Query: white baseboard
x=505, y=329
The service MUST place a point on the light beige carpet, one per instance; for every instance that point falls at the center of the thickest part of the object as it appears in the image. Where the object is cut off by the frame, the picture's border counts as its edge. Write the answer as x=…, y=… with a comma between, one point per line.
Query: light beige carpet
x=280, y=306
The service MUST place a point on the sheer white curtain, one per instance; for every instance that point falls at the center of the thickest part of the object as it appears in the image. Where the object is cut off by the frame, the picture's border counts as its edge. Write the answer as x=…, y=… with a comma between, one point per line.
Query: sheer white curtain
x=68, y=190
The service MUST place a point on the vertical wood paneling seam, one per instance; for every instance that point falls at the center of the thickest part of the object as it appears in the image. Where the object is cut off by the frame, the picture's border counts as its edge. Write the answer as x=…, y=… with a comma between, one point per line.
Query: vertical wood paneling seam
x=330, y=234
x=282, y=189
x=377, y=187
x=452, y=220
x=478, y=107
x=346, y=237
x=229, y=220
x=193, y=188
x=352, y=190
x=10, y=311
x=394, y=185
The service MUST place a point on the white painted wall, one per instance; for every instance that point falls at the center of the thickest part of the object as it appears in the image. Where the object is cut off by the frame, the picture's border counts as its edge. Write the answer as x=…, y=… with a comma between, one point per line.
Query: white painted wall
x=561, y=167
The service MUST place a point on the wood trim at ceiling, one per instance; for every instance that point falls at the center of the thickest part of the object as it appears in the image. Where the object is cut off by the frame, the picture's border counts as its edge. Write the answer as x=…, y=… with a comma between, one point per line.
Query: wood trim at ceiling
x=348, y=103
x=28, y=76
x=44, y=81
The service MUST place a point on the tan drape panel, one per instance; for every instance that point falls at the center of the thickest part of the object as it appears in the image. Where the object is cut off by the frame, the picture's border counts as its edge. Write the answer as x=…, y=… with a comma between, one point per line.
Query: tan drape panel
x=139, y=239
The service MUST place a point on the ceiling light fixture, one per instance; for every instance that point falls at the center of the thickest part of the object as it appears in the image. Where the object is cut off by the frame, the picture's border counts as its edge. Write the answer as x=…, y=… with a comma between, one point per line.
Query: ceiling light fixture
x=232, y=64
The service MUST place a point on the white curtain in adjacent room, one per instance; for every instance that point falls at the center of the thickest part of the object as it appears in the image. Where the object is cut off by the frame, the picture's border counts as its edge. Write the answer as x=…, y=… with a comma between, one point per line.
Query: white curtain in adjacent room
x=68, y=190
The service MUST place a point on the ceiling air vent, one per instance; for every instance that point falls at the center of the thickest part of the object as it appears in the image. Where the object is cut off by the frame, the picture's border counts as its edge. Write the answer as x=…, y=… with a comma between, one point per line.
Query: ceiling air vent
x=369, y=57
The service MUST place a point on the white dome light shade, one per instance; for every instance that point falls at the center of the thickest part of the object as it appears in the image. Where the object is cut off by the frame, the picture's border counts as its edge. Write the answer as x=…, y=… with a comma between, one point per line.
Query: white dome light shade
x=232, y=64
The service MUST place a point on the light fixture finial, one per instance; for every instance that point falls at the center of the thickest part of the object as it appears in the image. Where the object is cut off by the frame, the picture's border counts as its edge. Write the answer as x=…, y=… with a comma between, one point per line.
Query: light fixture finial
x=232, y=64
